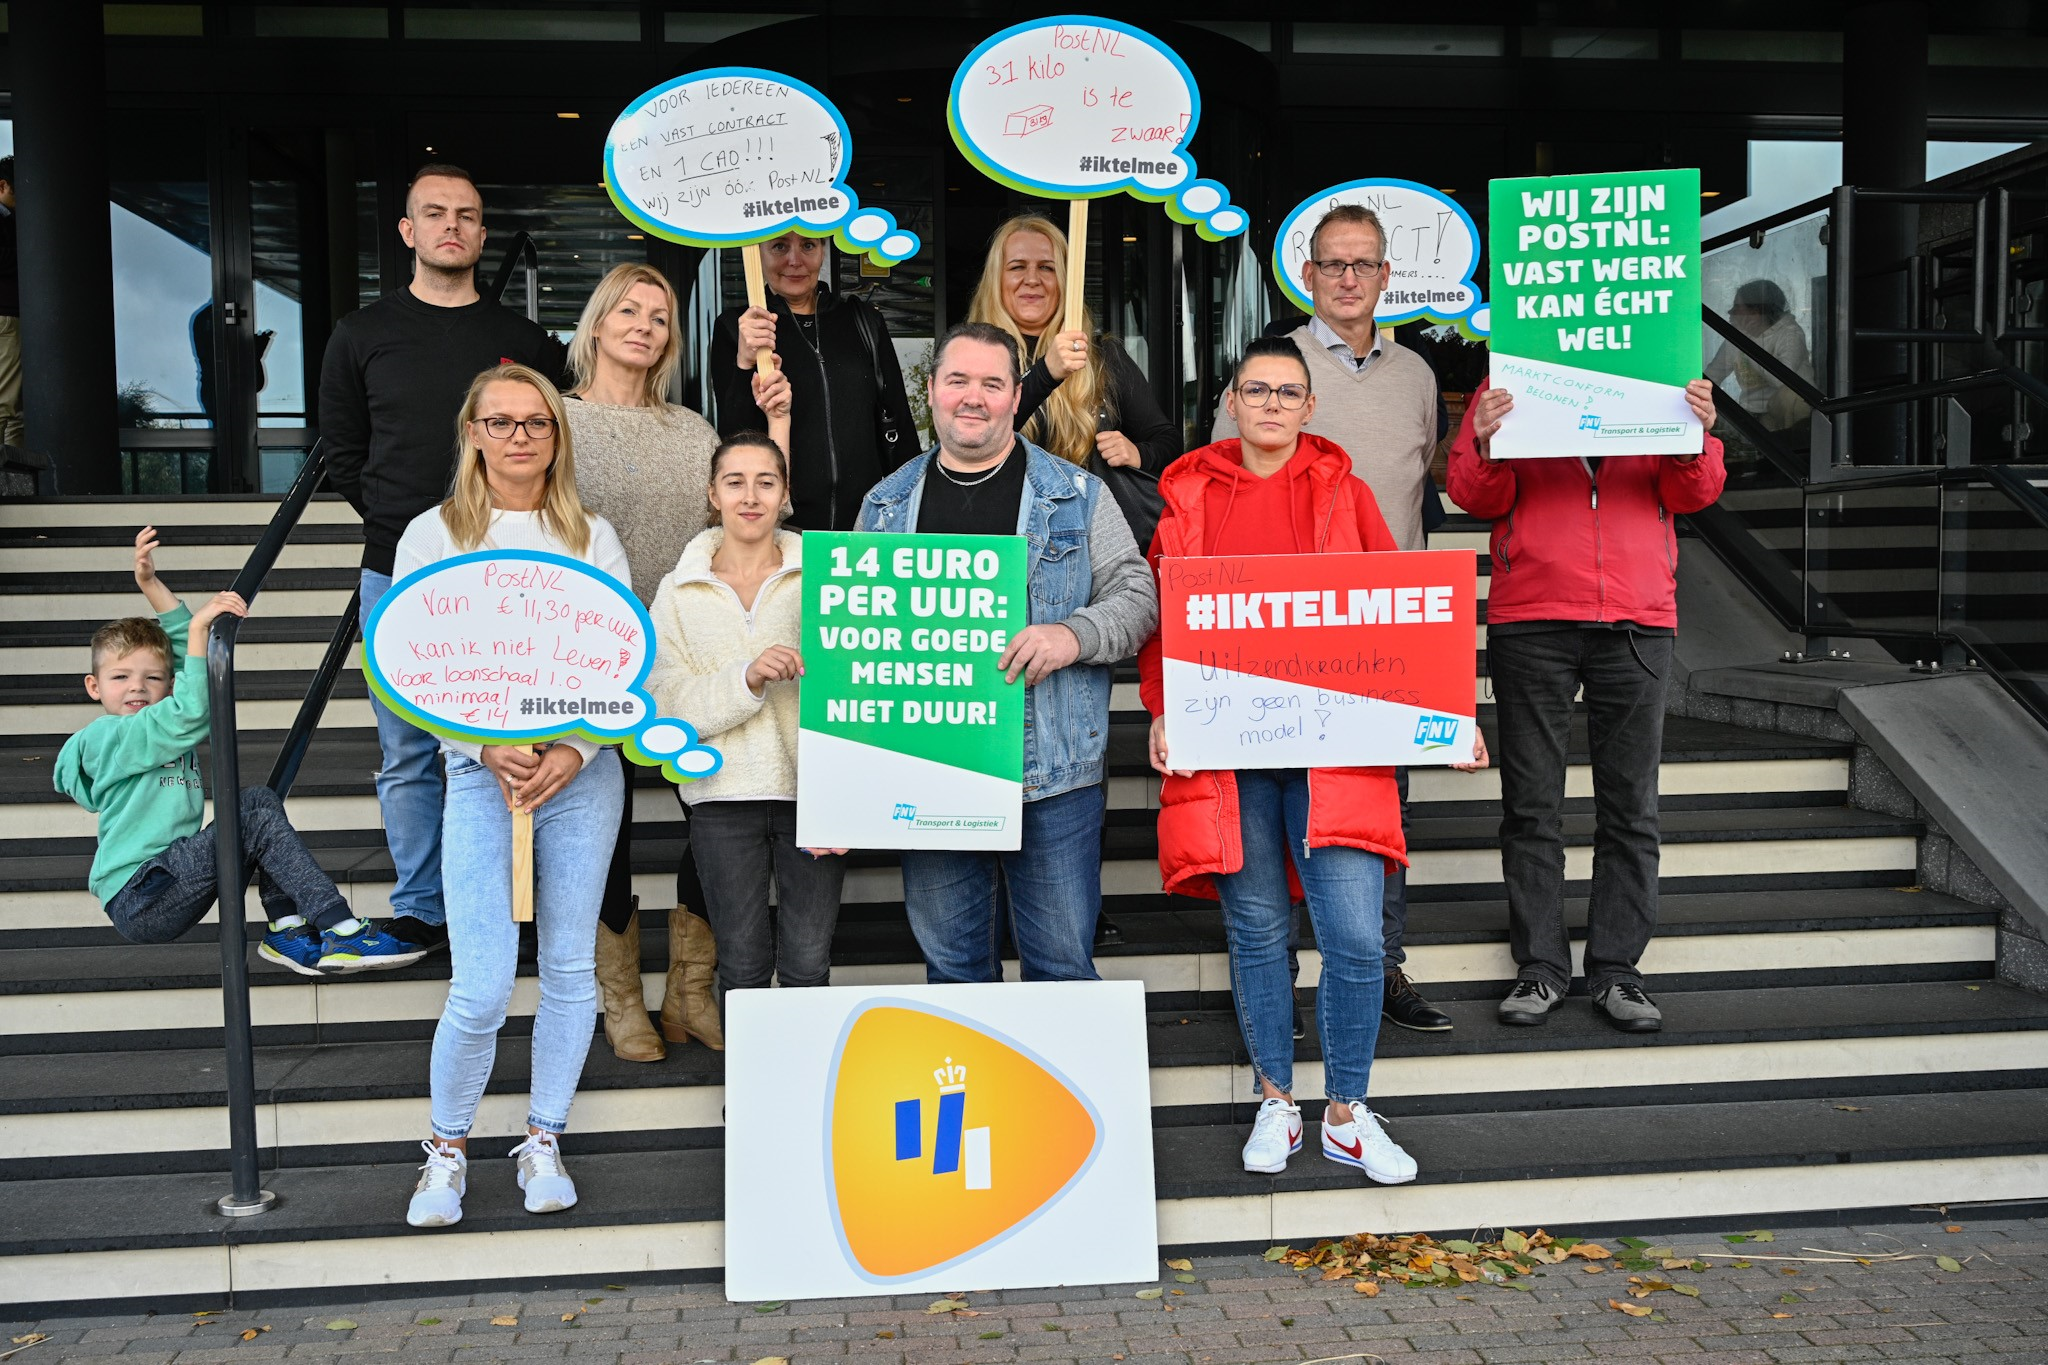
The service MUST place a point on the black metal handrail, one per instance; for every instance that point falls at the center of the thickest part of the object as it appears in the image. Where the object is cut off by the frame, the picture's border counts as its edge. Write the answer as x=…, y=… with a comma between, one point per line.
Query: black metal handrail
x=521, y=252
x=247, y=1195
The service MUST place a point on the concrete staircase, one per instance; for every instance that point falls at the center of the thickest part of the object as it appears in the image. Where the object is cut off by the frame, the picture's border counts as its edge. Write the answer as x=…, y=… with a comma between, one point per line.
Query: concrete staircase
x=1835, y=1039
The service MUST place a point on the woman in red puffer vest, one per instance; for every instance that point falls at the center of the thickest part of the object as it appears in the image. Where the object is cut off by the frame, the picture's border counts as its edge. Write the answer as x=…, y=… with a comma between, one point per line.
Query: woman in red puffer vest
x=1257, y=838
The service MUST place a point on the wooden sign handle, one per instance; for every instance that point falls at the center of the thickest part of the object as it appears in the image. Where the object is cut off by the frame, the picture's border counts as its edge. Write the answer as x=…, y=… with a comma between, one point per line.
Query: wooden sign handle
x=1077, y=264
x=757, y=297
x=522, y=860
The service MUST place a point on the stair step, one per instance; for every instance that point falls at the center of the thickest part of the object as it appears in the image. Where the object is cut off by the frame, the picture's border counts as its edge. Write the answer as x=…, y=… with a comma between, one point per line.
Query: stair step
x=110, y=512
x=154, y=1236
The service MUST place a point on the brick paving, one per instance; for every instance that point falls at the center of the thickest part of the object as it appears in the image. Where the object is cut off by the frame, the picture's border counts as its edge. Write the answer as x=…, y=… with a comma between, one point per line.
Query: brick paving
x=1240, y=1310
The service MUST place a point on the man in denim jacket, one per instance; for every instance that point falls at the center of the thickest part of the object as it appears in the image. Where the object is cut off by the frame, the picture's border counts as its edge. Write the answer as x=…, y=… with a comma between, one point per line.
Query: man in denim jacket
x=1092, y=603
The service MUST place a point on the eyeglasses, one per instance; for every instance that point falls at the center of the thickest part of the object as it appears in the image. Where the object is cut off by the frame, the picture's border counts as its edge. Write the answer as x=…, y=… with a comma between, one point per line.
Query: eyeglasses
x=501, y=428
x=1334, y=270
x=1259, y=394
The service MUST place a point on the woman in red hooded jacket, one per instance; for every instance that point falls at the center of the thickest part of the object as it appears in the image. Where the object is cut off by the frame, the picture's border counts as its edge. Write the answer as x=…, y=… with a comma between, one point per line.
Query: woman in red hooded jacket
x=1255, y=838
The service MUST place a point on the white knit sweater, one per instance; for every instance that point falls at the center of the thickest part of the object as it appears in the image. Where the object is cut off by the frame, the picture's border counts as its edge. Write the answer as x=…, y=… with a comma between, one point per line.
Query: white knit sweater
x=704, y=641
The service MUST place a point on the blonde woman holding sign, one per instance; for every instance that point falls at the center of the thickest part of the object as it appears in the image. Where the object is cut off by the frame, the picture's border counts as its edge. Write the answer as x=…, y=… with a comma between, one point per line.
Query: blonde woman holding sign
x=1083, y=399
x=515, y=489
x=727, y=624
x=643, y=462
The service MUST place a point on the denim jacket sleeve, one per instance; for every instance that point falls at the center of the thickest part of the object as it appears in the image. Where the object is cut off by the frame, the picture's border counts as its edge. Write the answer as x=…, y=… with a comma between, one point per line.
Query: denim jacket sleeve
x=1123, y=601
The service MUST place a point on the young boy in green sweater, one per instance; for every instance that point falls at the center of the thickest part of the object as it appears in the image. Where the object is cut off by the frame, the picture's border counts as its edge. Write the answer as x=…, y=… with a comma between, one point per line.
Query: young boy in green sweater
x=137, y=768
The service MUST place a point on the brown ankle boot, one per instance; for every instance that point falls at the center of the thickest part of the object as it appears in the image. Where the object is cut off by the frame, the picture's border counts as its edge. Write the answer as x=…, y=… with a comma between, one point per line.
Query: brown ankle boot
x=689, y=1005
x=626, y=1025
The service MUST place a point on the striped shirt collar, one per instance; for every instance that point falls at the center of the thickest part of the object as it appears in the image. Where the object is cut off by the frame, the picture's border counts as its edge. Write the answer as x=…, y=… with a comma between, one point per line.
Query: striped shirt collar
x=1341, y=350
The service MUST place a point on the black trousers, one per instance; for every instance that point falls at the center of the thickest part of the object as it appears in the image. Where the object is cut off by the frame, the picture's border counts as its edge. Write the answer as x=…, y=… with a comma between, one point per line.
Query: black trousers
x=618, y=882
x=1534, y=677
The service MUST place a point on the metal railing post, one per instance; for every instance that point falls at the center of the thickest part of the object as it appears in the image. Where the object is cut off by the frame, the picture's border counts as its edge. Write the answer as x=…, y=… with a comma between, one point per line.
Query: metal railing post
x=230, y=864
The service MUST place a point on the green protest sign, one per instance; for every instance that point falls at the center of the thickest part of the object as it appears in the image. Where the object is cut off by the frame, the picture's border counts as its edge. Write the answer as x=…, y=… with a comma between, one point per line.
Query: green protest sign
x=908, y=735
x=1596, y=312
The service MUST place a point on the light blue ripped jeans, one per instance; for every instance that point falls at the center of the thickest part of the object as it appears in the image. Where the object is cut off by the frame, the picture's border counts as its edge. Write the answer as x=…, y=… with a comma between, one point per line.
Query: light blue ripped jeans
x=573, y=836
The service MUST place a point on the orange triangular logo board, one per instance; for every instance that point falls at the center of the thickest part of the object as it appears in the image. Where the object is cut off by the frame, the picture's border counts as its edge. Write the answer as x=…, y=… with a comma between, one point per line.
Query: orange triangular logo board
x=943, y=1138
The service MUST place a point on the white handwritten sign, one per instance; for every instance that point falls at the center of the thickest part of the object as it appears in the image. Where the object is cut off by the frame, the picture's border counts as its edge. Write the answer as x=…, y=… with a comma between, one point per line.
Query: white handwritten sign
x=736, y=155
x=520, y=646
x=1432, y=251
x=1078, y=108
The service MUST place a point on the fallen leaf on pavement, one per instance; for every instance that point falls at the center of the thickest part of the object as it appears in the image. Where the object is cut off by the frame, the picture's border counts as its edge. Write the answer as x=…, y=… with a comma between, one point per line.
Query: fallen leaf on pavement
x=1850, y=1108
x=507, y=1321
x=1781, y=1315
x=771, y=1306
x=1953, y=1227
x=1594, y=1269
x=945, y=1306
x=1948, y=1263
x=1152, y=1293
x=345, y=1325
x=1275, y=1253
x=885, y=1336
x=1184, y=1278
x=1369, y=1288
x=1634, y=1310
x=1182, y=1264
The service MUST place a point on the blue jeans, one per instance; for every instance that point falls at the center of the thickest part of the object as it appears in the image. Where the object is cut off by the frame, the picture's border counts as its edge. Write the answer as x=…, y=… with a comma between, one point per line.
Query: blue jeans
x=1055, y=888
x=173, y=891
x=572, y=845
x=409, y=787
x=1343, y=888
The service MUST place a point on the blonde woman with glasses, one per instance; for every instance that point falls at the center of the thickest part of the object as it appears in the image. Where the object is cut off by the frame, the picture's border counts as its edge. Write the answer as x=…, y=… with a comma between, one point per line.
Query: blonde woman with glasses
x=643, y=463
x=515, y=489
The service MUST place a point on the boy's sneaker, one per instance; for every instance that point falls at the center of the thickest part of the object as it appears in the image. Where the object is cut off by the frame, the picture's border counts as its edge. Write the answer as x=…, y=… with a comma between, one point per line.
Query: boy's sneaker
x=367, y=949
x=1276, y=1135
x=1364, y=1144
x=420, y=934
x=548, y=1187
x=437, y=1199
x=296, y=947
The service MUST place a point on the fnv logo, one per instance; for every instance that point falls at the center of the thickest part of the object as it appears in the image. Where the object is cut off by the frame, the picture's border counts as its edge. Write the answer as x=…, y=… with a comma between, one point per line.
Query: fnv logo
x=943, y=1138
x=1589, y=423
x=1436, y=732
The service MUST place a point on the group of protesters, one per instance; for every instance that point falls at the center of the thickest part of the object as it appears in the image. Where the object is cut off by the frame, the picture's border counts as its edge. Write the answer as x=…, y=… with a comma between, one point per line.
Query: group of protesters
x=1322, y=443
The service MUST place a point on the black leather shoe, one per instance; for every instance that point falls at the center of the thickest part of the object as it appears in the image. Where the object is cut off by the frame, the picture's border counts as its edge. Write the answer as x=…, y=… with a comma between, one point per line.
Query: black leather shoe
x=1300, y=1029
x=1107, y=933
x=1403, y=1005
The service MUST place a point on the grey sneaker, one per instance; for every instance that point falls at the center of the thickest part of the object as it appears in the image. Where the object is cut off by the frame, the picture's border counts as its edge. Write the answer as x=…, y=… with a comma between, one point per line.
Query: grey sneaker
x=1530, y=1002
x=1628, y=1009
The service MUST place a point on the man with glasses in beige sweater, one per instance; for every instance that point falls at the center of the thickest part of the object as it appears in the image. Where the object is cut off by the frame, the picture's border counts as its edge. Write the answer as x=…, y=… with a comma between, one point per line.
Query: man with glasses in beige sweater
x=1378, y=401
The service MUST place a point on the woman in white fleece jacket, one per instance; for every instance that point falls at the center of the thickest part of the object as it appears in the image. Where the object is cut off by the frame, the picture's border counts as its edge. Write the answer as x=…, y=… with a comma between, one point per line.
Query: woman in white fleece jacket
x=726, y=628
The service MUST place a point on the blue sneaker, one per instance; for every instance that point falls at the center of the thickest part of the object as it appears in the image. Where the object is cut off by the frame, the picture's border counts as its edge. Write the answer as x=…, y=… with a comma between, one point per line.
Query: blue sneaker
x=367, y=949
x=296, y=946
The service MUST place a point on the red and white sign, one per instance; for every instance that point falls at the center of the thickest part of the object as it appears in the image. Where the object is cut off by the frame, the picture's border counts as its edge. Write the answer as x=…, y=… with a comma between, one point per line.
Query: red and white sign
x=1319, y=661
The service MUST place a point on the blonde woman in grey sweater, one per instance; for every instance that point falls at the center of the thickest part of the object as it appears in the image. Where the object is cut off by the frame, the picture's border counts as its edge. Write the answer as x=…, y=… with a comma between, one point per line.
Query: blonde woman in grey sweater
x=643, y=463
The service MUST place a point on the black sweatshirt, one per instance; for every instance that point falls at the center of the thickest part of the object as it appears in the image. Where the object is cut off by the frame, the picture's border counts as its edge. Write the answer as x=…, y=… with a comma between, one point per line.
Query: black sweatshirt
x=834, y=405
x=391, y=386
x=1126, y=405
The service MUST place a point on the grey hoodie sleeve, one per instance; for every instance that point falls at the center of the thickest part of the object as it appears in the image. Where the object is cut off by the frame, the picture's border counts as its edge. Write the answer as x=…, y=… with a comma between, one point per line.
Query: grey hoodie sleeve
x=1123, y=601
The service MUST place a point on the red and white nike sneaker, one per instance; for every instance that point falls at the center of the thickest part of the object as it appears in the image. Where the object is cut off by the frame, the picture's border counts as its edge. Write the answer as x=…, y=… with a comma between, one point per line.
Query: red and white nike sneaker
x=1364, y=1144
x=1276, y=1135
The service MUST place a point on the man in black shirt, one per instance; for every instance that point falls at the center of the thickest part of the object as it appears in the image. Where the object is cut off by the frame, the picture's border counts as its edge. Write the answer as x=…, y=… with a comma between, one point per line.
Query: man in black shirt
x=391, y=385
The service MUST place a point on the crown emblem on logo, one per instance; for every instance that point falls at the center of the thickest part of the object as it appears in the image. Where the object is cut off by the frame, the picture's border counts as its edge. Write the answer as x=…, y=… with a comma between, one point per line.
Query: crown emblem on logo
x=950, y=1077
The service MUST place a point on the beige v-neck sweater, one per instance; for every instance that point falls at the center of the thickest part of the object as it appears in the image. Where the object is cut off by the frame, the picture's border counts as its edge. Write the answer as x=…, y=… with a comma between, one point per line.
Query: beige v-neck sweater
x=1385, y=419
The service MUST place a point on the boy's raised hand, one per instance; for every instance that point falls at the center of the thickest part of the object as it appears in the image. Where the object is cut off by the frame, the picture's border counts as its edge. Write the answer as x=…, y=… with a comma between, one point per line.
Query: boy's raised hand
x=221, y=604
x=161, y=598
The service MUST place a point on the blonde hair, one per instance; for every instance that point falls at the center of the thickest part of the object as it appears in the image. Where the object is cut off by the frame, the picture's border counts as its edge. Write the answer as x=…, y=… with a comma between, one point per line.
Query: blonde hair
x=1065, y=422
x=610, y=292
x=116, y=639
x=467, y=511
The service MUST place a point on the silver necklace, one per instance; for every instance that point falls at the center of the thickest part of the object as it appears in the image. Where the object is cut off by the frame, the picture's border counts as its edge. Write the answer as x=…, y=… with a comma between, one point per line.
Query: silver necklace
x=976, y=482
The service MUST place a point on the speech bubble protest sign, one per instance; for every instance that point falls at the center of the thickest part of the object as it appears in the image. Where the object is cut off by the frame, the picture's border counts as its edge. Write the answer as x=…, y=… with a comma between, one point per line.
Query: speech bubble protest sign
x=523, y=646
x=1598, y=281
x=1077, y=107
x=1432, y=251
x=736, y=155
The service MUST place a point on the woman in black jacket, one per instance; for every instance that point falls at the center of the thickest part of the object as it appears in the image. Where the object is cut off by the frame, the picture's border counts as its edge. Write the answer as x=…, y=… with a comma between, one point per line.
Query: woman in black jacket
x=1083, y=396
x=851, y=422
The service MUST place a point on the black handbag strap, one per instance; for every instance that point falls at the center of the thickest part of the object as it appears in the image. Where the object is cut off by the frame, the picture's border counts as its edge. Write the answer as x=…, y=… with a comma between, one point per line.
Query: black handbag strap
x=886, y=420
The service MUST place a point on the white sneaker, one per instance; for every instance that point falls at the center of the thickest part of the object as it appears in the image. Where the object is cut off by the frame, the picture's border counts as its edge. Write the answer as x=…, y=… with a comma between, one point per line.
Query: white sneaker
x=437, y=1199
x=1364, y=1144
x=548, y=1187
x=1276, y=1135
